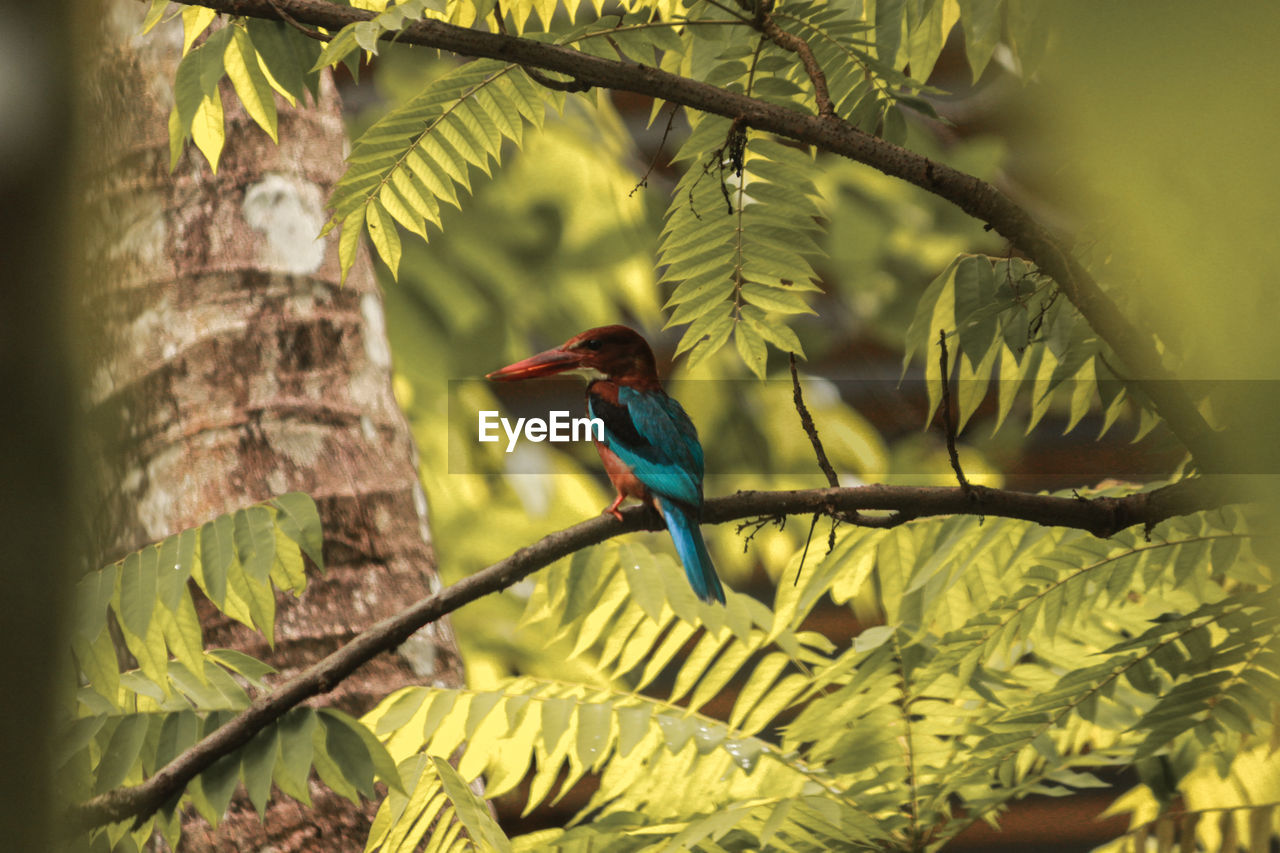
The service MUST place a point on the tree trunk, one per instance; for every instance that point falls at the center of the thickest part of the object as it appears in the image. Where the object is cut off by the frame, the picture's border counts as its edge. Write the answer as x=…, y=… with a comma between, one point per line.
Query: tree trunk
x=228, y=366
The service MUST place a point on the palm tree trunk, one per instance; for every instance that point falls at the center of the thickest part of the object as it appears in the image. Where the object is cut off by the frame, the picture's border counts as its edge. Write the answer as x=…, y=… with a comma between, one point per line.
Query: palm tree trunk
x=229, y=365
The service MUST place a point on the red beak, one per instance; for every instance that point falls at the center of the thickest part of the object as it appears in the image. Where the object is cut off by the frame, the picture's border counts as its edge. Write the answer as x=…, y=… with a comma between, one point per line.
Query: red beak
x=543, y=364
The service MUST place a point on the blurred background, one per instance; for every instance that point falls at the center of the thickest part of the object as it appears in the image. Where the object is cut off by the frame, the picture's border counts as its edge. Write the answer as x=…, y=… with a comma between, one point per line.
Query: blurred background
x=1146, y=135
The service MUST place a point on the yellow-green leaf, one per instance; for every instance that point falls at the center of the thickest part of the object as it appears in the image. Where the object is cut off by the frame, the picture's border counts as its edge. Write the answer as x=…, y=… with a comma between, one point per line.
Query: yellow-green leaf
x=349, y=240
x=752, y=349
x=154, y=14
x=195, y=20
x=383, y=235
x=207, y=130
x=241, y=62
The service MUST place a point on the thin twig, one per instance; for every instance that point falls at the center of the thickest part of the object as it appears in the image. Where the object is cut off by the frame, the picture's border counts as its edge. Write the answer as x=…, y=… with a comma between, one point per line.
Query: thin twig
x=948, y=422
x=805, y=552
x=662, y=143
x=293, y=22
x=758, y=524
x=806, y=421
x=762, y=20
x=800, y=47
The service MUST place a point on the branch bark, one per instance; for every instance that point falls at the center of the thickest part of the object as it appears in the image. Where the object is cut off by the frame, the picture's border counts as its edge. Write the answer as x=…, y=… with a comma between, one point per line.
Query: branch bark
x=828, y=133
x=1100, y=516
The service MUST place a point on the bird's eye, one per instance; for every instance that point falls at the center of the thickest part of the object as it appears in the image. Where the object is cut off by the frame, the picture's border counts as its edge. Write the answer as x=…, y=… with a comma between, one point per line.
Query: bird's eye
x=592, y=344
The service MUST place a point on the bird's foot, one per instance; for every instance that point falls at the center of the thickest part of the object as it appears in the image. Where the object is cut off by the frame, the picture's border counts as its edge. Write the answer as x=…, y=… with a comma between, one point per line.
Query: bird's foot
x=613, y=510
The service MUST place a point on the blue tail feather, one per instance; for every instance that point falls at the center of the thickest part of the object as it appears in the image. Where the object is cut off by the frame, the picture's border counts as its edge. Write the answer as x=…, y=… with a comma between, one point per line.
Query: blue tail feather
x=687, y=535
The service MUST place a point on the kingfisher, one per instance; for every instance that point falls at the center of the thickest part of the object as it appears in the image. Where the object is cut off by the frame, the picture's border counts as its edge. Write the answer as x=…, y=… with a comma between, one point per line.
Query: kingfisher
x=650, y=448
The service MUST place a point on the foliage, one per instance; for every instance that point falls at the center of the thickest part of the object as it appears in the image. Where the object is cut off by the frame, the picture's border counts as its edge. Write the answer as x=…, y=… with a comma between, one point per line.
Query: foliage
x=149, y=688
x=965, y=697
x=997, y=660
x=739, y=276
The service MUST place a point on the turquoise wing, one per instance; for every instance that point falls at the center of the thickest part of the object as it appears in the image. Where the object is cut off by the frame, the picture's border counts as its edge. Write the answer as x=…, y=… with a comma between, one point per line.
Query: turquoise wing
x=653, y=435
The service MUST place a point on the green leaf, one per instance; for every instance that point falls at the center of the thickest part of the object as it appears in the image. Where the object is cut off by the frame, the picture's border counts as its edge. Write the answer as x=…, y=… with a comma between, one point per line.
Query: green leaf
x=300, y=520
x=337, y=49
x=154, y=13
x=285, y=54
x=402, y=709
x=712, y=326
x=138, y=590
x=258, y=758
x=889, y=25
x=75, y=737
x=481, y=705
x=195, y=20
x=217, y=551
x=255, y=541
x=633, y=725
x=595, y=720
x=250, y=667
x=217, y=785
x=241, y=60
x=383, y=235
x=773, y=330
x=556, y=713
x=471, y=810
x=895, y=126
x=441, y=704
x=676, y=731
x=97, y=661
x=981, y=21
x=178, y=733
x=296, y=747
x=934, y=311
x=776, y=299
x=176, y=560
x=643, y=579
x=93, y=596
x=345, y=746
x=975, y=289
x=288, y=571
x=196, y=81
x=751, y=348
x=121, y=751
x=208, y=130
x=929, y=27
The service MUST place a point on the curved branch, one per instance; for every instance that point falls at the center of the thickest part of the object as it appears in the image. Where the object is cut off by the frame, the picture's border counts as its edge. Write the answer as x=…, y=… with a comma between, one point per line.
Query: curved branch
x=1100, y=516
x=828, y=133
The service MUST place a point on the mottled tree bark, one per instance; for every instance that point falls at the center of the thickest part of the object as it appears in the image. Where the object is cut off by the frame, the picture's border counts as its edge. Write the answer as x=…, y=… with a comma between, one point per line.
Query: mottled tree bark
x=229, y=365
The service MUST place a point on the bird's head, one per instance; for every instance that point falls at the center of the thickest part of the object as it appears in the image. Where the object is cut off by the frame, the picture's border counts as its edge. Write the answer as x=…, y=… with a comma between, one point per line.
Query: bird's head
x=614, y=352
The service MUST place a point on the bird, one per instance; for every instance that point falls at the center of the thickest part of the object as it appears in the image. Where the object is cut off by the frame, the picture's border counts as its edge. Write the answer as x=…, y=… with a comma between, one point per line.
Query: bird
x=649, y=448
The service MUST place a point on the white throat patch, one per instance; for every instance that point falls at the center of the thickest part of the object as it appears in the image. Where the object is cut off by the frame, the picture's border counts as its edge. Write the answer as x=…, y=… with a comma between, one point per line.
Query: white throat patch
x=589, y=373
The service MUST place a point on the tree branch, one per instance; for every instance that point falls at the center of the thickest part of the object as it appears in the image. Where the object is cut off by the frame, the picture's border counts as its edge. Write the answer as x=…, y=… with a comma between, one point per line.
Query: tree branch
x=806, y=421
x=800, y=47
x=1100, y=516
x=828, y=133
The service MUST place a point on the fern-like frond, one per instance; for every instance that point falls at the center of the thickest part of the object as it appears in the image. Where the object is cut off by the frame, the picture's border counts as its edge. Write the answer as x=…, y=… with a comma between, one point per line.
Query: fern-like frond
x=239, y=560
x=417, y=155
x=125, y=749
x=864, y=90
x=1007, y=323
x=130, y=723
x=739, y=235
